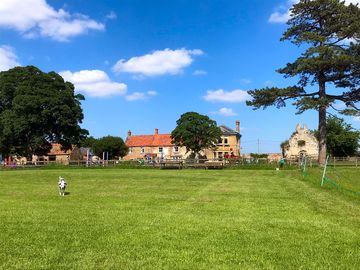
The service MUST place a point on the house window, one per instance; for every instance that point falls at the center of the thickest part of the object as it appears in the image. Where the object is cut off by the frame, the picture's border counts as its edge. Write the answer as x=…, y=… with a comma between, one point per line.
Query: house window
x=220, y=141
x=225, y=140
x=160, y=149
x=142, y=150
x=176, y=149
x=130, y=150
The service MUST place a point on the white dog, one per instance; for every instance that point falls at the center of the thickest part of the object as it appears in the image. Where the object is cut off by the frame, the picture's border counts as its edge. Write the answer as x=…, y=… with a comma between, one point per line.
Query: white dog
x=62, y=186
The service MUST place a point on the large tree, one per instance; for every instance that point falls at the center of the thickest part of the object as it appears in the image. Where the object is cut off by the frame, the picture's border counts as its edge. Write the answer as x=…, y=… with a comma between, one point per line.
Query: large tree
x=330, y=33
x=37, y=109
x=341, y=138
x=114, y=146
x=195, y=132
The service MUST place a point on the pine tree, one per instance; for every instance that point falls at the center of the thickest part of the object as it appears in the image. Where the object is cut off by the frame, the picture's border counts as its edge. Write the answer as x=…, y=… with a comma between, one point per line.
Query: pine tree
x=329, y=31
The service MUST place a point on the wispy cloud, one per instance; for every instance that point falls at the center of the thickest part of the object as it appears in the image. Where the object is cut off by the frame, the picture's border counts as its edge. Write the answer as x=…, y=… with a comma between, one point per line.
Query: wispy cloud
x=234, y=96
x=158, y=63
x=225, y=112
x=268, y=83
x=8, y=58
x=140, y=95
x=111, y=15
x=245, y=81
x=282, y=13
x=95, y=83
x=33, y=18
x=199, y=72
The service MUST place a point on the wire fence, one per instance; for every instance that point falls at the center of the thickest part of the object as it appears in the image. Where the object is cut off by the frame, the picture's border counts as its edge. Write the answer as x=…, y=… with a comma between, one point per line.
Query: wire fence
x=340, y=174
x=242, y=162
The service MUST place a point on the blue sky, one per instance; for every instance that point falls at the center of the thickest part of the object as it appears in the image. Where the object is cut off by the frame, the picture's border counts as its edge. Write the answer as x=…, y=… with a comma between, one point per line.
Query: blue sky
x=141, y=64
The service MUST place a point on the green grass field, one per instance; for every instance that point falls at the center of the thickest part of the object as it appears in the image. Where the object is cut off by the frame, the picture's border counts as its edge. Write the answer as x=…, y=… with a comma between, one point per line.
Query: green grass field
x=170, y=219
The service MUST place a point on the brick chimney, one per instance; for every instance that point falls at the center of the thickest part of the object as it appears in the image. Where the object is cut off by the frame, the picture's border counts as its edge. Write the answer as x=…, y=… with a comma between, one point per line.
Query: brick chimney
x=129, y=133
x=237, y=126
x=156, y=131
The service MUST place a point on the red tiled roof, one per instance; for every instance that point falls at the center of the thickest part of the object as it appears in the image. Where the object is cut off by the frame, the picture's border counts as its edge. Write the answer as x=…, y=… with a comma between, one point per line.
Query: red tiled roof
x=149, y=140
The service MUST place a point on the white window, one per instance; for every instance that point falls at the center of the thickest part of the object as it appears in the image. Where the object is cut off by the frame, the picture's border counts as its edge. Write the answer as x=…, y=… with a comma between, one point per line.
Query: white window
x=176, y=149
x=160, y=149
x=142, y=150
x=130, y=150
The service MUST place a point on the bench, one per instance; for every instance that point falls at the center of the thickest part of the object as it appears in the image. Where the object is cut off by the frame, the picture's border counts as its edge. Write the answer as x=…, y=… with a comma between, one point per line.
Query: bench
x=214, y=165
x=171, y=164
x=206, y=165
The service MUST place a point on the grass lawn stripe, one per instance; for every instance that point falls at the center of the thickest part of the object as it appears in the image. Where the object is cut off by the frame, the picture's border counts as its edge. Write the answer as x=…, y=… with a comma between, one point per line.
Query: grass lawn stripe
x=169, y=219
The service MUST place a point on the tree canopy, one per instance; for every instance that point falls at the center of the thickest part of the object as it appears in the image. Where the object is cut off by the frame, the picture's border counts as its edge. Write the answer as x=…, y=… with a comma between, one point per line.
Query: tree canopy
x=342, y=139
x=330, y=33
x=114, y=146
x=195, y=132
x=37, y=109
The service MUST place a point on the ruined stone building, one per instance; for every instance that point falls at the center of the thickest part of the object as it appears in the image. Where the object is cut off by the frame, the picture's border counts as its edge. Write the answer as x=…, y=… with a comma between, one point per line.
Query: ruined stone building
x=302, y=142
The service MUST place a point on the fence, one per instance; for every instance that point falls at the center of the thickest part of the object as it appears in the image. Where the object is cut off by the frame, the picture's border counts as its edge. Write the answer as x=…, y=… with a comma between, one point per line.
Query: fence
x=189, y=163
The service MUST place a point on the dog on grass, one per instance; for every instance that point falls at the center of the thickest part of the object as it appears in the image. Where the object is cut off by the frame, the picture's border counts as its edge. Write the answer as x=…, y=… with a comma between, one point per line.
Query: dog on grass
x=62, y=186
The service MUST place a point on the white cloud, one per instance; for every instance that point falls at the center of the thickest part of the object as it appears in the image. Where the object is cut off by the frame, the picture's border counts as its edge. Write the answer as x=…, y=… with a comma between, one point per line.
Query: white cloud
x=225, y=112
x=111, y=16
x=8, y=58
x=152, y=93
x=33, y=18
x=95, y=83
x=283, y=13
x=231, y=96
x=278, y=17
x=158, y=63
x=140, y=96
x=199, y=72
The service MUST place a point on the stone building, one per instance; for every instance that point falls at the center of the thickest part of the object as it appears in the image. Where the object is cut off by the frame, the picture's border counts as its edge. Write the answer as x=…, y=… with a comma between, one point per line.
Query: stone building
x=157, y=146
x=228, y=145
x=302, y=143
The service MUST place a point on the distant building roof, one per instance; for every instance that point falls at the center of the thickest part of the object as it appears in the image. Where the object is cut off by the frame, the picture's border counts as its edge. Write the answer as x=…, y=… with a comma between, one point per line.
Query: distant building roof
x=228, y=131
x=149, y=140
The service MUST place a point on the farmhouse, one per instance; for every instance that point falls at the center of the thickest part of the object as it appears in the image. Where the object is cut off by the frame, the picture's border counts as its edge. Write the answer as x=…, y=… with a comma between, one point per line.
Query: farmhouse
x=157, y=146
x=228, y=145
x=302, y=143
x=152, y=146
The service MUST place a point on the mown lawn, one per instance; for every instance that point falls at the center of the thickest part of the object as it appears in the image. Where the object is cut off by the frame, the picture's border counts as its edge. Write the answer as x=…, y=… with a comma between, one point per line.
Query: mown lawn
x=169, y=219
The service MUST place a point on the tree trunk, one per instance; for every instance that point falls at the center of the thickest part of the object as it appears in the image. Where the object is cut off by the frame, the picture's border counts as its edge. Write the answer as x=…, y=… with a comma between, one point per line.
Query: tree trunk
x=322, y=135
x=322, y=120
